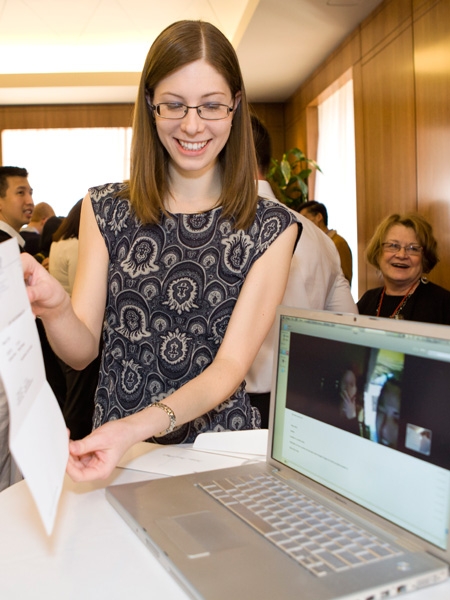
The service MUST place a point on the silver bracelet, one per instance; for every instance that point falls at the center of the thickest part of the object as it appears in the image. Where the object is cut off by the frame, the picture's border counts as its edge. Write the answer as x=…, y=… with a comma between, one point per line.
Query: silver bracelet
x=170, y=413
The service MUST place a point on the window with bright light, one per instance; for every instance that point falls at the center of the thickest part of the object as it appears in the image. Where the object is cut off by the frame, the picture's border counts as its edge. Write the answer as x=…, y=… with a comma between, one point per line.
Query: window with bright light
x=336, y=185
x=64, y=163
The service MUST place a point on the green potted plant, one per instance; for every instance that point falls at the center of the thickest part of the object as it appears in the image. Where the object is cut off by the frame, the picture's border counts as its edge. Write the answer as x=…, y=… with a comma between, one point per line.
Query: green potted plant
x=289, y=177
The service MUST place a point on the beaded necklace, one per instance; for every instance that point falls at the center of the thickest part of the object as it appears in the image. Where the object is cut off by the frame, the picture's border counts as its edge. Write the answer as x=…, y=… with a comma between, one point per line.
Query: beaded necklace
x=396, y=314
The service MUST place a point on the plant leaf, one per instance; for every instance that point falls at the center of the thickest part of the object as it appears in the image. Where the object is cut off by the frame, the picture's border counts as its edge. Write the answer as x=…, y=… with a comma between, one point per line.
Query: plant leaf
x=286, y=170
x=290, y=175
x=304, y=174
x=298, y=154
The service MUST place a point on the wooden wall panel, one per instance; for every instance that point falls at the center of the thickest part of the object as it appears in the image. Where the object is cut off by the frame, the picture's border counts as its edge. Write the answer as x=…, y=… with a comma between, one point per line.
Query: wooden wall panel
x=389, y=135
x=333, y=68
x=401, y=81
x=296, y=133
x=272, y=116
x=363, y=226
x=312, y=123
x=81, y=115
x=432, y=62
x=65, y=116
x=383, y=23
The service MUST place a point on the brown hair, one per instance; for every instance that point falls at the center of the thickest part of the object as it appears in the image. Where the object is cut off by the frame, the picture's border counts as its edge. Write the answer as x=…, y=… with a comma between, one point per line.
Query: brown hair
x=178, y=45
x=263, y=145
x=421, y=228
x=70, y=226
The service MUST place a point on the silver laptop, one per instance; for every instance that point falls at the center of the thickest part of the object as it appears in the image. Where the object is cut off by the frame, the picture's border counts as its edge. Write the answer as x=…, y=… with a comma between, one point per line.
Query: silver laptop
x=353, y=500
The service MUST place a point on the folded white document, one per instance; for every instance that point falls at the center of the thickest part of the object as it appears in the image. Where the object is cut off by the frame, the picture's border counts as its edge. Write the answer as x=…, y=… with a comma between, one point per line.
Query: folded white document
x=38, y=437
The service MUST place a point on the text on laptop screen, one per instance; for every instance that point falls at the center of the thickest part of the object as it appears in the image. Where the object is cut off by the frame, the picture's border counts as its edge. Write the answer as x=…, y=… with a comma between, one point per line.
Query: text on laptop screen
x=367, y=414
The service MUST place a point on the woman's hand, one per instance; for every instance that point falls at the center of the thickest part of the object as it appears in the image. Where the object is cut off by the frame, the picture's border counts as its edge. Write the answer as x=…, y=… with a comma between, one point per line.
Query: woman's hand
x=45, y=293
x=96, y=456
x=348, y=405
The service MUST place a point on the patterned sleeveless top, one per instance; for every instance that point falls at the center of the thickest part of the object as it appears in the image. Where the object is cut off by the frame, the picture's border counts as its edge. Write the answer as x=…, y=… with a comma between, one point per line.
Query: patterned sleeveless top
x=171, y=291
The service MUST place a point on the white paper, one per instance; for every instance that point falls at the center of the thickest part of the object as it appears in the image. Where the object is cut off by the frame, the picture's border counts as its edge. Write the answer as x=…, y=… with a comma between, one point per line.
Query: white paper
x=174, y=460
x=251, y=443
x=38, y=437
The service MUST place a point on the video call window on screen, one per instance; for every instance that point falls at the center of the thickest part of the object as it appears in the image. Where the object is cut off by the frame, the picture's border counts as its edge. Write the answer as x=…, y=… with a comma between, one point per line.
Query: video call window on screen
x=390, y=398
x=383, y=396
x=418, y=439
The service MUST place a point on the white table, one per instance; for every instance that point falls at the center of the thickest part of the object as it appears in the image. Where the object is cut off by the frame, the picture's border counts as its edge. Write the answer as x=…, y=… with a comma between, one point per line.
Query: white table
x=92, y=553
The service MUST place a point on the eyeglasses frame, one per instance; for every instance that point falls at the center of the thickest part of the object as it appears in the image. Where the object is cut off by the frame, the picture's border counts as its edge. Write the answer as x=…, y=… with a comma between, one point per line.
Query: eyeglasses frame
x=418, y=248
x=155, y=108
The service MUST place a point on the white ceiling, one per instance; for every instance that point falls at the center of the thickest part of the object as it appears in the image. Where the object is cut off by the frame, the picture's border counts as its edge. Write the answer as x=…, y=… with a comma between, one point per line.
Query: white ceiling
x=76, y=51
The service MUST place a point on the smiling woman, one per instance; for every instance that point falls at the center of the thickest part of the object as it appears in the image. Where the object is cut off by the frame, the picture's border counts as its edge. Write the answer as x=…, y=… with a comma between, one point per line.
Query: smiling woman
x=404, y=250
x=180, y=268
x=193, y=110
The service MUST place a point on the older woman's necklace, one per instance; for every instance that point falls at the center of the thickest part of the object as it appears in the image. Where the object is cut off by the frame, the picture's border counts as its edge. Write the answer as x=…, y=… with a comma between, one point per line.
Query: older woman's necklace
x=396, y=314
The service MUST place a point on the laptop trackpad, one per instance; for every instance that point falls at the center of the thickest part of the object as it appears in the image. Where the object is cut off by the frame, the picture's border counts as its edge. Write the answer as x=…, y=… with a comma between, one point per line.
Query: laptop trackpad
x=198, y=534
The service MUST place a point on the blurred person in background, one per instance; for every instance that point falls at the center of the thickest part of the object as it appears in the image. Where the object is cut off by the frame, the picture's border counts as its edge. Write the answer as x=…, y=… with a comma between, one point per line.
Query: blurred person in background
x=53, y=371
x=315, y=279
x=318, y=214
x=31, y=233
x=51, y=225
x=16, y=203
x=63, y=257
x=78, y=404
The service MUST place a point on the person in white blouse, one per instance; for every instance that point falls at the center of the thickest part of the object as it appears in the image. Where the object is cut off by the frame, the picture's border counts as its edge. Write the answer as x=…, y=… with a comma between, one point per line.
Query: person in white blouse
x=63, y=257
x=315, y=281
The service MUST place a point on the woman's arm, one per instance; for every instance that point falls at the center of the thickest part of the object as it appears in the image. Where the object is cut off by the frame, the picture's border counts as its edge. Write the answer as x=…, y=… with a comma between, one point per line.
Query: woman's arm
x=96, y=455
x=73, y=327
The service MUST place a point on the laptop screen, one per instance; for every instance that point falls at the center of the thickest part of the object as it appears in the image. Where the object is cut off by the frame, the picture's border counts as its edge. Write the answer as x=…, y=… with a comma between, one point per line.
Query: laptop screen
x=363, y=407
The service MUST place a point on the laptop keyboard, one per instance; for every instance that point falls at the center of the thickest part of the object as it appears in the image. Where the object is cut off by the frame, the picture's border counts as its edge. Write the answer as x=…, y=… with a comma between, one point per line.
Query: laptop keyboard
x=312, y=534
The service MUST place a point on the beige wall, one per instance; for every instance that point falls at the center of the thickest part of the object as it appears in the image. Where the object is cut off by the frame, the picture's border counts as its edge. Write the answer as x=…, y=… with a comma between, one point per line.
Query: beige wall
x=399, y=58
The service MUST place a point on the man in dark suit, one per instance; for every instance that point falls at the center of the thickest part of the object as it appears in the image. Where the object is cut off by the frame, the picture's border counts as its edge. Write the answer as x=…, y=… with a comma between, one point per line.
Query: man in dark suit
x=16, y=203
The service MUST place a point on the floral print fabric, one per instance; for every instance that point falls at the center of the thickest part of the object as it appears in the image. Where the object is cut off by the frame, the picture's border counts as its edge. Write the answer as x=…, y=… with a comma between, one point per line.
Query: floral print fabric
x=171, y=291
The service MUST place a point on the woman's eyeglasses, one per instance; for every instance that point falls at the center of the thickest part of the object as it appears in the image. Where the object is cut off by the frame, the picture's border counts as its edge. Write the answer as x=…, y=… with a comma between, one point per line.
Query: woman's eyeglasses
x=393, y=248
x=210, y=111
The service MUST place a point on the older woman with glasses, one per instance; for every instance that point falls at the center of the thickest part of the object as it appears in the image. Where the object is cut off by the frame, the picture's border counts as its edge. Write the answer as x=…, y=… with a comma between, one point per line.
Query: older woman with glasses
x=404, y=250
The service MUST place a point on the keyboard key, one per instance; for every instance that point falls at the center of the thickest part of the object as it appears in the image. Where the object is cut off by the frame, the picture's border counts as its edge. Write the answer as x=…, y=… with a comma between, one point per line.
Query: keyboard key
x=311, y=534
x=331, y=559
